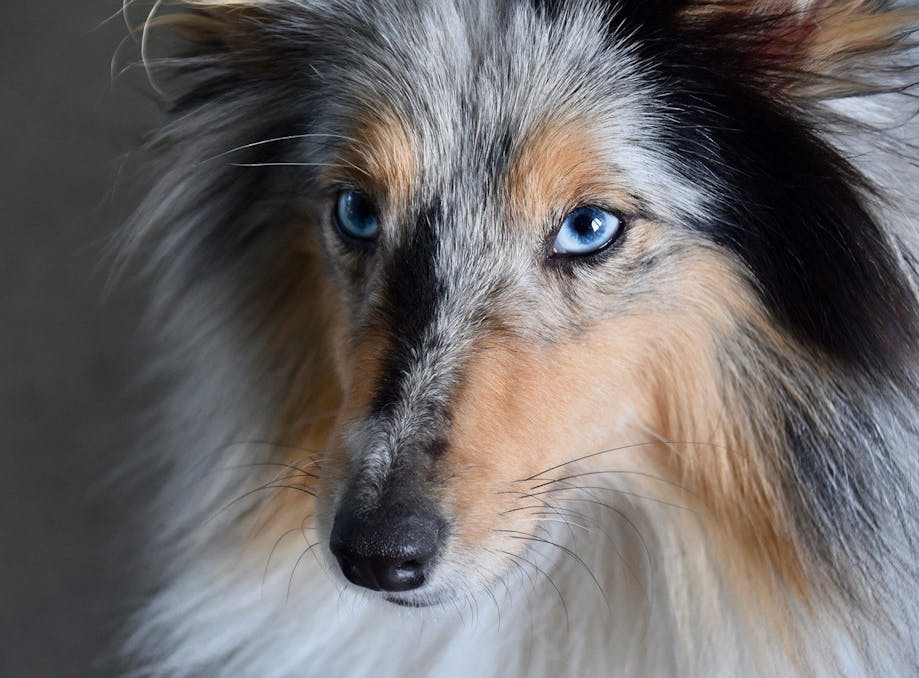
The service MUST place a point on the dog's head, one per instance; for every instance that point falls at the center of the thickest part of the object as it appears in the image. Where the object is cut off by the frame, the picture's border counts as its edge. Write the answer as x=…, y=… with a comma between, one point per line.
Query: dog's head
x=535, y=236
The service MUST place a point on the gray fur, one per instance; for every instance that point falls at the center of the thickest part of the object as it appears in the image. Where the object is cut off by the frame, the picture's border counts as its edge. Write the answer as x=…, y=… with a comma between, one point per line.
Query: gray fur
x=257, y=118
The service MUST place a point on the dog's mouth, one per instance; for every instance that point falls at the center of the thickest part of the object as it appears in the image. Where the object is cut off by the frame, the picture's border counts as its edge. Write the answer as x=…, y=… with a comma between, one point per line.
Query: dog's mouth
x=437, y=594
x=403, y=602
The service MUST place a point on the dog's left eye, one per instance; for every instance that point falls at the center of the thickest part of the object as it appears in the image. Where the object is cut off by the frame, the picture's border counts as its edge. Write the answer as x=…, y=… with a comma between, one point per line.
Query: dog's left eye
x=586, y=230
x=356, y=216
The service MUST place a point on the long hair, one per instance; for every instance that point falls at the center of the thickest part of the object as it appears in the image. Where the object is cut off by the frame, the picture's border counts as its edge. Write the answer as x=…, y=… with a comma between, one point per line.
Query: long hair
x=691, y=452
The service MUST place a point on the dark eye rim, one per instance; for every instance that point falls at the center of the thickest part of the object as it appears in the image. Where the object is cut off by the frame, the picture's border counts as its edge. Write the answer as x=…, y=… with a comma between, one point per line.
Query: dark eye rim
x=568, y=260
x=361, y=245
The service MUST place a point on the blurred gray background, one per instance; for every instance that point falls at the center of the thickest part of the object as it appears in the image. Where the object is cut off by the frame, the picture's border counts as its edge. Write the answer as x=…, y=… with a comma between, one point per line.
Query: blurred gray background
x=68, y=404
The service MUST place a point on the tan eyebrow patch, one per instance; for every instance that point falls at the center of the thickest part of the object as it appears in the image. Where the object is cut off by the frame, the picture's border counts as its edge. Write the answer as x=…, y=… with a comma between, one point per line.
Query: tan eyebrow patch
x=559, y=166
x=383, y=158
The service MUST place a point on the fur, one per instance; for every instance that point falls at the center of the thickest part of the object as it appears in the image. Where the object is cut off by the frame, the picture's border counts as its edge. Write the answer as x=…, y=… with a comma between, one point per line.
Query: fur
x=692, y=453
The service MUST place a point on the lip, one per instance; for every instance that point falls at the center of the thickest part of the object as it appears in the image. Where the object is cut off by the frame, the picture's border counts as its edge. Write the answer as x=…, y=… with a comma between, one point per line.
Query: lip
x=408, y=603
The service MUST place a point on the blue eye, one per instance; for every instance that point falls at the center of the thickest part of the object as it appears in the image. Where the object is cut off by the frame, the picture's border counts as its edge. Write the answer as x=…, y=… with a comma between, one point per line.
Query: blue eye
x=356, y=216
x=586, y=230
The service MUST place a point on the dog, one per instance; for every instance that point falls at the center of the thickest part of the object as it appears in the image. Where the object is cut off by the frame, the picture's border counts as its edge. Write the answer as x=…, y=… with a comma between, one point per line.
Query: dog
x=532, y=338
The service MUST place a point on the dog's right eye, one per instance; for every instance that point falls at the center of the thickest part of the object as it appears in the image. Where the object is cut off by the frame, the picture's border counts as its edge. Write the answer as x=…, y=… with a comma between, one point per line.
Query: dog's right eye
x=586, y=230
x=356, y=217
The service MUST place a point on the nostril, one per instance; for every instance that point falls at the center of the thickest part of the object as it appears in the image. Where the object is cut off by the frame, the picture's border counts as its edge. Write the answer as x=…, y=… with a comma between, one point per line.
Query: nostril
x=392, y=554
x=400, y=576
x=356, y=573
x=410, y=566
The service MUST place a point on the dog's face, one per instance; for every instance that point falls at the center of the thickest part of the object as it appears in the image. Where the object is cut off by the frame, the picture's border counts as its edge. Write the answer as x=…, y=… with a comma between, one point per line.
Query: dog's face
x=512, y=287
x=494, y=320
x=544, y=236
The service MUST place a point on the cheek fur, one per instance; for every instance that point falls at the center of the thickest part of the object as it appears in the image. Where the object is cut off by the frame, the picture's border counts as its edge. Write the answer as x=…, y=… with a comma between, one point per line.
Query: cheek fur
x=521, y=411
x=644, y=394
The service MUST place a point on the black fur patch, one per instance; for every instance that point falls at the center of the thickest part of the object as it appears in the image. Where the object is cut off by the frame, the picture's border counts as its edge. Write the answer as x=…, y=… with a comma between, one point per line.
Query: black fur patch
x=412, y=295
x=786, y=204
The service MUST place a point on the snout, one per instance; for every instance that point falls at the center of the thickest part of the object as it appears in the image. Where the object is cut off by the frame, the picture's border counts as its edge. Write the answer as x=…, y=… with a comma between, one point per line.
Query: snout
x=385, y=550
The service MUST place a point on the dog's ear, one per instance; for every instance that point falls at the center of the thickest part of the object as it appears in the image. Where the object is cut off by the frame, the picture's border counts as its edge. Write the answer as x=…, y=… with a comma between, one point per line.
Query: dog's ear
x=213, y=45
x=799, y=47
x=754, y=77
x=236, y=77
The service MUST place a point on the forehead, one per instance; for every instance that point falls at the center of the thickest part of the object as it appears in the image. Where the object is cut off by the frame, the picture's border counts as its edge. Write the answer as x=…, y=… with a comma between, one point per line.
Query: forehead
x=469, y=62
x=469, y=85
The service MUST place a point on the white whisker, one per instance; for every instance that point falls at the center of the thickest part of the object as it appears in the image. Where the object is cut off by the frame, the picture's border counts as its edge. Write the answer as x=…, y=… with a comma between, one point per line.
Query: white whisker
x=288, y=137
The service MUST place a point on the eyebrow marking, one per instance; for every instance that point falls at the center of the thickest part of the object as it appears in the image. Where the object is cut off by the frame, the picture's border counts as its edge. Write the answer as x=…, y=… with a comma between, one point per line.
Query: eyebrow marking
x=560, y=165
x=385, y=156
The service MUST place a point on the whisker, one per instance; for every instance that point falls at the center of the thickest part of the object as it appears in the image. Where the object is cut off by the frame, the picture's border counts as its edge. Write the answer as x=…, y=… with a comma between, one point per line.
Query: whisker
x=284, y=164
x=263, y=464
x=595, y=526
x=541, y=518
x=473, y=608
x=630, y=523
x=459, y=611
x=289, y=137
x=522, y=508
x=485, y=582
x=544, y=504
x=300, y=164
x=205, y=474
x=644, y=544
x=515, y=534
x=643, y=474
x=271, y=553
x=519, y=569
x=614, y=449
x=548, y=578
x=294, y=570
x=604, y=488
x=268, y=486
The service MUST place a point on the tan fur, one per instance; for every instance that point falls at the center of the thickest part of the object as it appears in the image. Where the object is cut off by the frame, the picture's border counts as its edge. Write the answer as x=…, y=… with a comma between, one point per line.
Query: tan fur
x=811, y=45
x=558, y=168
x=382, y=160
x=852, y=29
x=308, y=419
x=523, y=409
x=735, y=469
x=555, y=403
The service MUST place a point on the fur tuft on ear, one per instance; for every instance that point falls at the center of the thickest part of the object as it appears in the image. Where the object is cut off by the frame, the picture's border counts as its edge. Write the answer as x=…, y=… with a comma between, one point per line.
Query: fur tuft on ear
x=232, y=39
x=803, y=48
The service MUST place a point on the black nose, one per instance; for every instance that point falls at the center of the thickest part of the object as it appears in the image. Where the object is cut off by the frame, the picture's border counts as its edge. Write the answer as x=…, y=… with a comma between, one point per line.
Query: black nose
x=386, y=553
